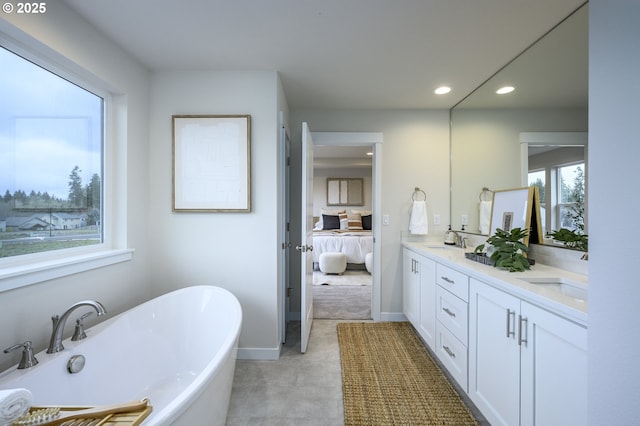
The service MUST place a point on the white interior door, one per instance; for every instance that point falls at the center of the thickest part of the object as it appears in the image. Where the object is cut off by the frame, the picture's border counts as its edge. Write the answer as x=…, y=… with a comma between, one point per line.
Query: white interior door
x=306, y=243
x=285, y=237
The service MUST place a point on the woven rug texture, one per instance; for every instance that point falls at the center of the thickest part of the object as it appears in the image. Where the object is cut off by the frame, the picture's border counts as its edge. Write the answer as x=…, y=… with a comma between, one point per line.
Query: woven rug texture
x=389, y=378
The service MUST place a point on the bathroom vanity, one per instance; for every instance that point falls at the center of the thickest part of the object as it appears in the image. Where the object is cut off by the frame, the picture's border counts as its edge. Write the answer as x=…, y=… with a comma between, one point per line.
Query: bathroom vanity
x=515, y=342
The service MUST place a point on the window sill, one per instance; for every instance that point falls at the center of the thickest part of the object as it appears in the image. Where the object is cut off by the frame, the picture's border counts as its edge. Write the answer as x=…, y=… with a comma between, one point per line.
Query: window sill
x=33, y=273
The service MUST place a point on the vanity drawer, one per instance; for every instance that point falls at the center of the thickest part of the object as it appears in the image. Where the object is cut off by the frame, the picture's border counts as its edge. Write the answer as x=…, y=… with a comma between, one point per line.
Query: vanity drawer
x=453, y=313
x=454, y=281
x=453, y=355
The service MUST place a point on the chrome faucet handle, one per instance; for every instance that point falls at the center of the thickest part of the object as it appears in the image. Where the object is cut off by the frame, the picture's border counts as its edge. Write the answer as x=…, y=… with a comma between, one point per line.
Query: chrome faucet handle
x=79, y=332
x=463, y=242
x=28, y=359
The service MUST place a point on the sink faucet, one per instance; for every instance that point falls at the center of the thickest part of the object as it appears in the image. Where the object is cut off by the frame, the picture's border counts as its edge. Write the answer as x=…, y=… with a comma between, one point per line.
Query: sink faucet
x=55, y=344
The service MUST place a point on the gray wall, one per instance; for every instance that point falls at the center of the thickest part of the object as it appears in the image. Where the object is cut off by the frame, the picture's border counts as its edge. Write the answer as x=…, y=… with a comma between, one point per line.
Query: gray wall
x=614, y=152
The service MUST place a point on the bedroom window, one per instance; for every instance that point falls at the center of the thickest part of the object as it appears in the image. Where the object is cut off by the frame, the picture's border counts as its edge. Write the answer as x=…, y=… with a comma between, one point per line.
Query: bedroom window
x=51, y=161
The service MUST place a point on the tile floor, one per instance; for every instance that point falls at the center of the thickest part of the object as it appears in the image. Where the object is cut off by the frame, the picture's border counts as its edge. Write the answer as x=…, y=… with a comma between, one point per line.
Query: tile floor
x=297, y=389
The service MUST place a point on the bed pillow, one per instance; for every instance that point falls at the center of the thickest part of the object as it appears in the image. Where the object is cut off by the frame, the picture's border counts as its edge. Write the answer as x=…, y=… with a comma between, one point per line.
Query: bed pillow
x=323, y=211
x=366, y=222
x=330, y=221
x=344, y=220
x=355, y=222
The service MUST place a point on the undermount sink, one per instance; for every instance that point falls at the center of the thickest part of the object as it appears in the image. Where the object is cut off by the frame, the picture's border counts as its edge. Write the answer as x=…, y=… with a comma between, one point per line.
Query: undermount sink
x=567, y=287
x=439, y=246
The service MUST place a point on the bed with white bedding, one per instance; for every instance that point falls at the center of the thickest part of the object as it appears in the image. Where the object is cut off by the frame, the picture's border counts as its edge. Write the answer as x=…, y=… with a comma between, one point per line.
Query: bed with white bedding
x=354, y=244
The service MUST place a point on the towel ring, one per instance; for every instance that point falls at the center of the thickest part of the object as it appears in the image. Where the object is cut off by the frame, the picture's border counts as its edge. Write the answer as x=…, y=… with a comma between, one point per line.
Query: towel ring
x=485, y=190
x=418, y=191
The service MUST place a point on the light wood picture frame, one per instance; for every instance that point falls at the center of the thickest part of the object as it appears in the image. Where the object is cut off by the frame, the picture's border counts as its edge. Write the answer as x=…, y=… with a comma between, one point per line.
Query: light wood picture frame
x=211, y=163
x=517, y=208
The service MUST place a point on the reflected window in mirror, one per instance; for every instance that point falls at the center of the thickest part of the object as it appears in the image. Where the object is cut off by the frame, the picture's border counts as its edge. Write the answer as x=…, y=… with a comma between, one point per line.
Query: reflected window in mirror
x=562, y=191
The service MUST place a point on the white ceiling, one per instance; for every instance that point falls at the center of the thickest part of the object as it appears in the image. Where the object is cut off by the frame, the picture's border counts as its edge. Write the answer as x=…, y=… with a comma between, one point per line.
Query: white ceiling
x=334, y=54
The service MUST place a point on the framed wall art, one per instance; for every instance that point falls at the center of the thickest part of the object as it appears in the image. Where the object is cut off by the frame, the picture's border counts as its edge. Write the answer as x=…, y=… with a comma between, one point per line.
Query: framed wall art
x=211, y=163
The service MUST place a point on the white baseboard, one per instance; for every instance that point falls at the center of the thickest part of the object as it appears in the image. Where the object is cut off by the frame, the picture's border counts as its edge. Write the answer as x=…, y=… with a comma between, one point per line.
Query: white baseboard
x=259, y=354
x=392, y=316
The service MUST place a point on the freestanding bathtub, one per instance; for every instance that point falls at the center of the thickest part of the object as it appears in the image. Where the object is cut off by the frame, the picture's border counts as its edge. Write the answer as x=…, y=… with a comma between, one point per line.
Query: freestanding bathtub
x=178, y=350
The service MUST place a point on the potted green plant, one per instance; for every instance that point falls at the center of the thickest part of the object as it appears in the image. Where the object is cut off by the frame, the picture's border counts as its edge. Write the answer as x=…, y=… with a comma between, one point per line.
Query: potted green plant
x=507, y=250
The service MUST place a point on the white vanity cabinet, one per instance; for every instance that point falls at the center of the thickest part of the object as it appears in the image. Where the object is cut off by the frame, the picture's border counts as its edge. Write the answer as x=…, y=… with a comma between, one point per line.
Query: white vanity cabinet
x=526, y=365
x=452, y=296
x=418, y=294
x=411, y=287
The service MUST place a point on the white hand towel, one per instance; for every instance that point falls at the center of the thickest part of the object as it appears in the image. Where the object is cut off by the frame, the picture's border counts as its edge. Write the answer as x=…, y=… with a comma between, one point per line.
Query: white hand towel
x=13, y=404
x=418, y=224
x=485, y=217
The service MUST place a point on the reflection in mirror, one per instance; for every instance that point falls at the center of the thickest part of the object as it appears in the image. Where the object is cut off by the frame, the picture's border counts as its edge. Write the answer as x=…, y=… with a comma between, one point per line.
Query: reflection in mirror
x=556, y=163
x=551, y=95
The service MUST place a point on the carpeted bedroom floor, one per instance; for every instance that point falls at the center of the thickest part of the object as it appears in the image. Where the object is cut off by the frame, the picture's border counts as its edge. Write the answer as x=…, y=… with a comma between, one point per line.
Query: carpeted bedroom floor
x=346, y=296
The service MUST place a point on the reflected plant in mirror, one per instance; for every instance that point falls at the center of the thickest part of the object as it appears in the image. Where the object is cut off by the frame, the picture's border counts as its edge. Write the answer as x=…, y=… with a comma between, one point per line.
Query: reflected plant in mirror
x=571, y=239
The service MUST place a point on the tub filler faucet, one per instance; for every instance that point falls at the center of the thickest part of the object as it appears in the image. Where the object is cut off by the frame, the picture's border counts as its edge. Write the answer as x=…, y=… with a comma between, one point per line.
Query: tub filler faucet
x=55, y=344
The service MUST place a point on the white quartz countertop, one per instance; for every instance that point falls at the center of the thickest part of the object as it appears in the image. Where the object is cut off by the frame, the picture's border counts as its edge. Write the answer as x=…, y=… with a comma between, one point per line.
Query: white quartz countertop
x=548, y=297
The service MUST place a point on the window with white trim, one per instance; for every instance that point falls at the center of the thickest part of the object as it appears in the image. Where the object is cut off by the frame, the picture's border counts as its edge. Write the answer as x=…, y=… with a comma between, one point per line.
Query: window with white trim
x=51, y=160
x=562, y=195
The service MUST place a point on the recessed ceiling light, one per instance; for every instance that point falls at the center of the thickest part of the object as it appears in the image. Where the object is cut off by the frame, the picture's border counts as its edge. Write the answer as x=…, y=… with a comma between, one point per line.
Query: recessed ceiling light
x=442, y=90
x=370, y=154
x=504, y=90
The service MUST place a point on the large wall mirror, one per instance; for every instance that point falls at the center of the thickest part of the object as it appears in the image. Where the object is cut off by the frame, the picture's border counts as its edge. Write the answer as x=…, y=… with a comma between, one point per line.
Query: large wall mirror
x=490, y=131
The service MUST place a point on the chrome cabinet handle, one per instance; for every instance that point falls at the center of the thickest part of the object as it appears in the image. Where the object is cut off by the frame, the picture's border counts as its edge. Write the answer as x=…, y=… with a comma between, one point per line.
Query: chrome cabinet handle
x=304, y=248
x=521, y=339
x=449, y=351
x=509, y=314
x=451, y=314
x=449, y=280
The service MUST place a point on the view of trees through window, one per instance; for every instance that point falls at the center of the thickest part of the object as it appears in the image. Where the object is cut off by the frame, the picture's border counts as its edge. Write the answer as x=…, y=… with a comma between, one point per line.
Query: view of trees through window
x=567, y=199
x=51, y=139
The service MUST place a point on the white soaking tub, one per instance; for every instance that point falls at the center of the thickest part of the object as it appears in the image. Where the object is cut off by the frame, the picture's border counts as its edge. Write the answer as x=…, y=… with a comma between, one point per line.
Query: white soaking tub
x=178, y=350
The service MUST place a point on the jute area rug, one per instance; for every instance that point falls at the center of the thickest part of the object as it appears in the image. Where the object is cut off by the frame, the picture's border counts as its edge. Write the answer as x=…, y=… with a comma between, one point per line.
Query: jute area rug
x=388, y=378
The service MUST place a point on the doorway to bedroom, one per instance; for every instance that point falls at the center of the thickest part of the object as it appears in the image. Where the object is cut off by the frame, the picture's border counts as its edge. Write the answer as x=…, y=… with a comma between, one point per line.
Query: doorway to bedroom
x=343, y=235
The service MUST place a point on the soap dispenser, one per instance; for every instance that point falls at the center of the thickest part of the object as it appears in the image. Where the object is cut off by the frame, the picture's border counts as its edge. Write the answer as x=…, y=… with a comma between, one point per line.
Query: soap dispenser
x=450, y=237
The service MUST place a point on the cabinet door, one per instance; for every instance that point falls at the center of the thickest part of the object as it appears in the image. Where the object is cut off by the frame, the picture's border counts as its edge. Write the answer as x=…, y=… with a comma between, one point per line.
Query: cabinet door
x=411, y=287
x=427, y=327
x=494, y=354
x=554, y=369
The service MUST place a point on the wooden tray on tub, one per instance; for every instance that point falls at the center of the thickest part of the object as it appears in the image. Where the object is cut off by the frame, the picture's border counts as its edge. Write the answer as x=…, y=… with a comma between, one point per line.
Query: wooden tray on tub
x=129, y=414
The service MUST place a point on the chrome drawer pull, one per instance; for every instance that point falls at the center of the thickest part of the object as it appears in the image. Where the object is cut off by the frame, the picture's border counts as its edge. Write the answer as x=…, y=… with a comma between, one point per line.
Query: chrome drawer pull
x=521, y=320
x=449, y=280
x=449, y=312
x=509, y=332
x=448, y=351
